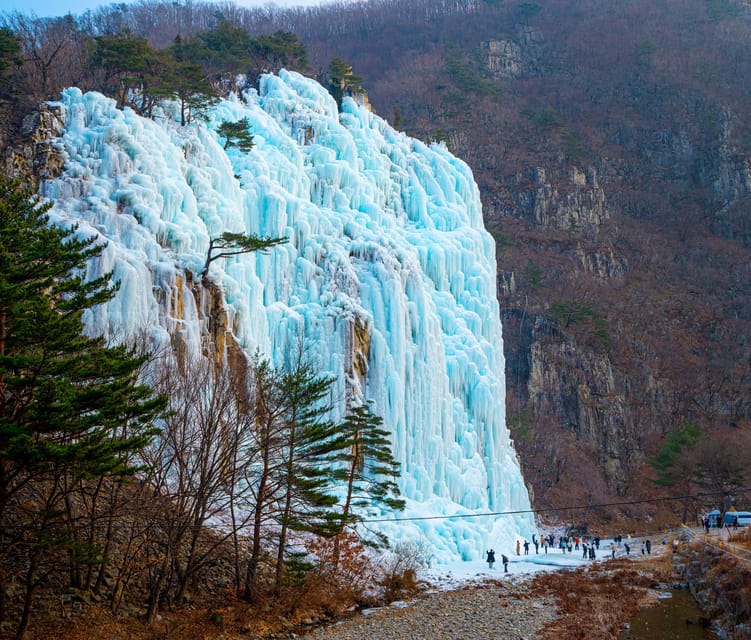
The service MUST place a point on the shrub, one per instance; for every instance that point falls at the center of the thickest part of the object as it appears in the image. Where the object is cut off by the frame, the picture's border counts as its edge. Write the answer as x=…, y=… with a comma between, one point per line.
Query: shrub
x=400, y=569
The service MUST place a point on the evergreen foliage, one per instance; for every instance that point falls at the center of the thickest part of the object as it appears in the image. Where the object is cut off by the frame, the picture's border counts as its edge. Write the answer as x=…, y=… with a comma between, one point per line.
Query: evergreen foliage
x=465, y=76
x=221, y=50
x=308, y=450
x=141, y=76
x=237, y=134
x=124, y=61
x=368, y=468
x=533, y=276
x=10, y=48
x=720, y=9
x=666, y=462
x=527, y=10
x=233, y=244
x=279, y=50
x=185, y=83
x=63, y=394
x=71, y=408
x=342, y=81
x=583, y=313
x=294, y=452
x=228, y=50
x=546, y=119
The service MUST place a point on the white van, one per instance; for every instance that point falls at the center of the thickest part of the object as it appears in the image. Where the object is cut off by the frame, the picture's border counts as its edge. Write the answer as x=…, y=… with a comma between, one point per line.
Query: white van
x=741, y=518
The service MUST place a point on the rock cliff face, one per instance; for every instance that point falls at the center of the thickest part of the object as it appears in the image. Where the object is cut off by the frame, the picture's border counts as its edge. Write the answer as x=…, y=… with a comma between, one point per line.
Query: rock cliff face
x=517, y=57
x=33, y=155
x=562, y=198
x=730, y=176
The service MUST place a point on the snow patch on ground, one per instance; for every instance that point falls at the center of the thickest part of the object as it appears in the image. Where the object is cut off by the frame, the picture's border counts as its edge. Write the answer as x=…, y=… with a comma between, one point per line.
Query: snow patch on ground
x=456, y=575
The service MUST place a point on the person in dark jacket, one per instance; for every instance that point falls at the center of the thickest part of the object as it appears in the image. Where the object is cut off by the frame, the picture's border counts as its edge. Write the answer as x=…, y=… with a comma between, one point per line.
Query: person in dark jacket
x=505, y=563
x=491, y=558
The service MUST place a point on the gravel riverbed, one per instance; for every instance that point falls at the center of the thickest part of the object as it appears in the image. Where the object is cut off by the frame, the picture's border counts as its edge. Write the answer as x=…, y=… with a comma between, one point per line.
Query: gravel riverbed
x=496, y=610
x=593, y=601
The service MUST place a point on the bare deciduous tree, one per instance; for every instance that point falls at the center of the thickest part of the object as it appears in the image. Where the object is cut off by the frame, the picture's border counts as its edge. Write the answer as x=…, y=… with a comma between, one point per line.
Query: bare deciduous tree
x=197, y=467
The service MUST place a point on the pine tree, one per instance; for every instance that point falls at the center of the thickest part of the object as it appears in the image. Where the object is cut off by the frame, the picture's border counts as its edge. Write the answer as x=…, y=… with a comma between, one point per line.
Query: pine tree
x=270, y=53
x=233, y=244
x=221, y=50
x=342, y=80
x=295, y=454
x=71, y=408
x=237, y=134
x=369, y=469
x=264, y=459
x=185, y=81
x=673, y=464
x=124, y=62
x=308, y=452
x=10, y=48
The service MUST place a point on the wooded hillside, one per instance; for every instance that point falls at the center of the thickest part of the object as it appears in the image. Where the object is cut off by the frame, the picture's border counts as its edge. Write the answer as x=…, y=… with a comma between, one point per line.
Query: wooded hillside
x=612, y=146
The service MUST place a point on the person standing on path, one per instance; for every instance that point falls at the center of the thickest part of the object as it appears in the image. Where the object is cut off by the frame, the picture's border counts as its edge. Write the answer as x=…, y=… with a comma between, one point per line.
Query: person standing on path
x=648, y=544
x=526, y=547
x=518, y=547
x=491, y=558
x=505, y=563
x=613, y=547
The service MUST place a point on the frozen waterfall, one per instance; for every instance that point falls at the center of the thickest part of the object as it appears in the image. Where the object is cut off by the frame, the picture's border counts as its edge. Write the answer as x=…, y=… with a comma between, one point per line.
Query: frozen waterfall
x=388, y=264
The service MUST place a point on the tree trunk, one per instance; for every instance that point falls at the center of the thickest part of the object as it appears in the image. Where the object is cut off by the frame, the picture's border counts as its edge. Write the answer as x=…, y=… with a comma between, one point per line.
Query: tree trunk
x=156, y=590
x=31, y=585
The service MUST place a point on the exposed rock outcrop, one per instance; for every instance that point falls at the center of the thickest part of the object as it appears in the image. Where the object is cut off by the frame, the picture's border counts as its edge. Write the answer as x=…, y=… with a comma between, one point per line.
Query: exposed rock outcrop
x=720, y=584
x=34, y=155
x=562, y=198
x=506, y=58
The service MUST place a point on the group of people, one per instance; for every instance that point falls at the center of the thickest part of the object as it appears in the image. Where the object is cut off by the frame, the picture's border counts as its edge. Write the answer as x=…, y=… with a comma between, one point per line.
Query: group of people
x=565, y=544
x=646, y=546
x=589, y=546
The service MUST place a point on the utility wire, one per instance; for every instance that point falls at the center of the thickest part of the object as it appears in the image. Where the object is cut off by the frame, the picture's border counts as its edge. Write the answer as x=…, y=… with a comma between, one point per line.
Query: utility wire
x=553, y=509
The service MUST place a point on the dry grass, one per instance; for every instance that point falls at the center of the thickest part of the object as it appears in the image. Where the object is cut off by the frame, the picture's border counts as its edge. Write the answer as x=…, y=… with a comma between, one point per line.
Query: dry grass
x=325, y=593
x=221, y=617
x=741, y=537
x=596, y=601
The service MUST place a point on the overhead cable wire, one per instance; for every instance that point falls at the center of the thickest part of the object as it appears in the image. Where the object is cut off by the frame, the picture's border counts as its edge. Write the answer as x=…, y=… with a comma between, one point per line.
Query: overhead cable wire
x=553, y=509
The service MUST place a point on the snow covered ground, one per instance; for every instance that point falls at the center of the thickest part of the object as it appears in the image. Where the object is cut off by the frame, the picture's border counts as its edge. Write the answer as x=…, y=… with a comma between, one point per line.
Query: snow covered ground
x=455, y=575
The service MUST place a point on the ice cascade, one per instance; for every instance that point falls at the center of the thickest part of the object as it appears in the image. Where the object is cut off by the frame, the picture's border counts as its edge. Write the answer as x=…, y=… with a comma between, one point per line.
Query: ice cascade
x=388, y=274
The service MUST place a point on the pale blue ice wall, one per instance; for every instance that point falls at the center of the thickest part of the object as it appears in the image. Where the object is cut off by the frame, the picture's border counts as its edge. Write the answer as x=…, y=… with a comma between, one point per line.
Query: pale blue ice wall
x=382, y=228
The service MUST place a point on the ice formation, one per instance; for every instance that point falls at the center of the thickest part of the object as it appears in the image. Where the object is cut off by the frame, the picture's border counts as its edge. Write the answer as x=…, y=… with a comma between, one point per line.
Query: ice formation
x=386, y=241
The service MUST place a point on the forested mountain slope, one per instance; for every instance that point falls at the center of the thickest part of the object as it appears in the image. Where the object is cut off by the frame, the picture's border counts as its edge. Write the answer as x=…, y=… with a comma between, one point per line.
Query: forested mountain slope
x=612, y=146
